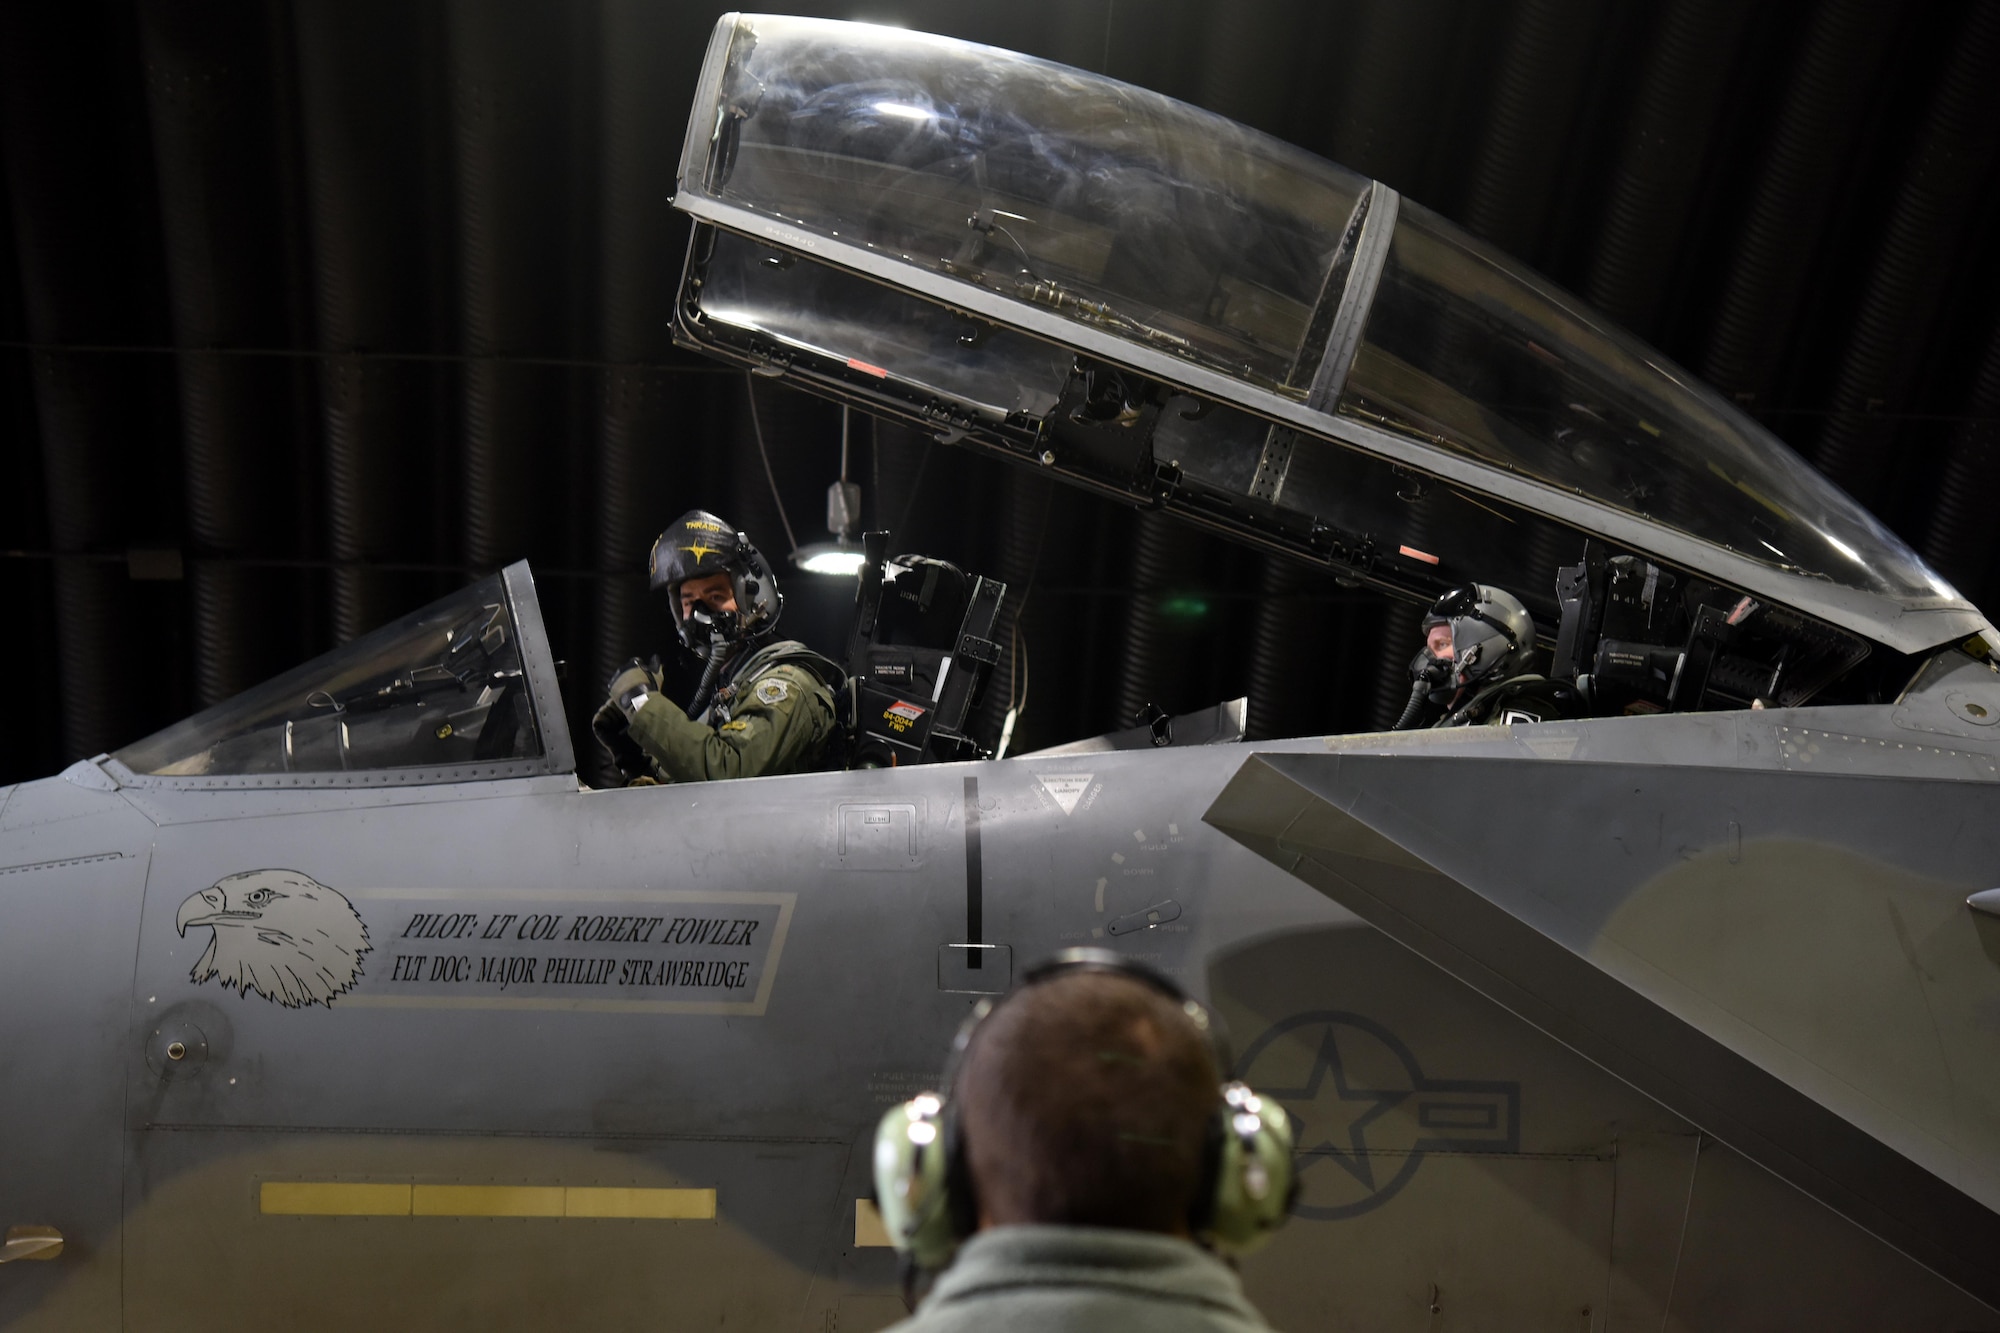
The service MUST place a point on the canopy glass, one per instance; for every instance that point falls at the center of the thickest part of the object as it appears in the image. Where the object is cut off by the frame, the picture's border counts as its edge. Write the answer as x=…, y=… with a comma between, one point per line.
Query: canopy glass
x=1022, y=226
x=1108, y=204
x=1467, y=349
x=445, y=694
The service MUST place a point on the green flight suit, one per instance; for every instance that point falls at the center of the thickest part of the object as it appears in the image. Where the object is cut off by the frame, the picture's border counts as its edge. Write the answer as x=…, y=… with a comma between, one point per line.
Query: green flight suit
x=777, y=717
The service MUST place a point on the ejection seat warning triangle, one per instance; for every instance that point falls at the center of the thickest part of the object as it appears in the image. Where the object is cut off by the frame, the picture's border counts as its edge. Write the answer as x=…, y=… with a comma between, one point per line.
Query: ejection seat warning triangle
x=1066, y=788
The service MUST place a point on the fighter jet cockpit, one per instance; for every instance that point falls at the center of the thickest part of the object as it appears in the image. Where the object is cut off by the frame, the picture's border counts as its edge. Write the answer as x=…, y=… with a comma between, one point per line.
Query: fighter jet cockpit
x=1156, y=304
x=1152, y=303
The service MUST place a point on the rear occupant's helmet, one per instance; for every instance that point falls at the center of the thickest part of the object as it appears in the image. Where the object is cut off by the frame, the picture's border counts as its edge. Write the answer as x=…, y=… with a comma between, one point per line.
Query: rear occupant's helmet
x=696, y=545
x=1492, y=634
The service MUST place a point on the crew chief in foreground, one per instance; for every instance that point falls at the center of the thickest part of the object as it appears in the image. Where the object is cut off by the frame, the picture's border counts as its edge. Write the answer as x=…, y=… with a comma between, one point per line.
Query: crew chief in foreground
x=1086, y=1163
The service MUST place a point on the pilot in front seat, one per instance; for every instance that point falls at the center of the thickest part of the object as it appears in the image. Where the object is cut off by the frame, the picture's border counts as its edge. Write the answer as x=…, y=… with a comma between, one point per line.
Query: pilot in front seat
x=764, y=706
x=1479, y=643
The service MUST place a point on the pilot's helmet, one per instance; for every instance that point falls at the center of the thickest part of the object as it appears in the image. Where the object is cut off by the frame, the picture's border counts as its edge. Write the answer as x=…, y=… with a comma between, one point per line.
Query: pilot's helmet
x=696, y=545
x=1492, y=634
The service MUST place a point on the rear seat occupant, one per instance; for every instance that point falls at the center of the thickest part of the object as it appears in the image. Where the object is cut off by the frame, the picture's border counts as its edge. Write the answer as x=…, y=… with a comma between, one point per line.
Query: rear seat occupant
x=1479, y=643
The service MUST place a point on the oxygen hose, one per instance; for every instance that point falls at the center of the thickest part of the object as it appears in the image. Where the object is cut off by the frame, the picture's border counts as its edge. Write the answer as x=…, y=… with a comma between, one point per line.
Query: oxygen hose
x=710, y=675
x=722, y=645
x=1414, y=707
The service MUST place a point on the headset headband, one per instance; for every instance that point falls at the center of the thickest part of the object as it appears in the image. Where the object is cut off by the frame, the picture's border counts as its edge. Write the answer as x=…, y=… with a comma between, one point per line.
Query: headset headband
x=1104, y=961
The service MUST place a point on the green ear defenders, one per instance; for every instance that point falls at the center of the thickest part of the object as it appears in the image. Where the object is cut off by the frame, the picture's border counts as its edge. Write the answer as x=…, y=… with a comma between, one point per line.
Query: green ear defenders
x=923, y=1188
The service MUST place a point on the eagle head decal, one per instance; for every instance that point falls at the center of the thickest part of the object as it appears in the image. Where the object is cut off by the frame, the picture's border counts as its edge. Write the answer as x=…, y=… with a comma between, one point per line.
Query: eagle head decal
x=282, y=934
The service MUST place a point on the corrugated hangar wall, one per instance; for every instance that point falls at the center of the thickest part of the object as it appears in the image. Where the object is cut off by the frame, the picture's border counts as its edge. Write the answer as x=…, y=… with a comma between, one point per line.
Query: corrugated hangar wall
x=314, y=310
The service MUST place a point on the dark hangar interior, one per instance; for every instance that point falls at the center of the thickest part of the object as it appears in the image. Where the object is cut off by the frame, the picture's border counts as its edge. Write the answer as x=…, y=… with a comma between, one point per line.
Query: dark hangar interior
x=314, y=311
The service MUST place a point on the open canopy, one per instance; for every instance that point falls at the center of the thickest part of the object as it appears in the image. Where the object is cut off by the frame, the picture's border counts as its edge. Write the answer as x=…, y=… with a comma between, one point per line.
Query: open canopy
x=1150, y=298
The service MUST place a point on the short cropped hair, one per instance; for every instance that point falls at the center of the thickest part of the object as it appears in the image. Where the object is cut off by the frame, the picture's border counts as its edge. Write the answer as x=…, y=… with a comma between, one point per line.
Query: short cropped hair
x=1086, y=1100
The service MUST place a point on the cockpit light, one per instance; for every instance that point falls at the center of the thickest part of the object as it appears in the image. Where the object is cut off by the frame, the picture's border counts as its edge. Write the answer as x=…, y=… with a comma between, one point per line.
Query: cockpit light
x=830, y=558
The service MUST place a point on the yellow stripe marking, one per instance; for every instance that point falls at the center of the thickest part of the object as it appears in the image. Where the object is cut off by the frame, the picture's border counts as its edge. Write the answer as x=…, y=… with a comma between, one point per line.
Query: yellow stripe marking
x=686, y=1205
x=868, y=1228
x=487, y=1201
x=345, y=1198
x=333, y=1198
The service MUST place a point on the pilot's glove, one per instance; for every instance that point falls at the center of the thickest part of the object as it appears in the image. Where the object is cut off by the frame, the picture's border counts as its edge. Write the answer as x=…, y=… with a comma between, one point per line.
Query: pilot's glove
x=629, y=689
x=608, y=726
x=635, y=683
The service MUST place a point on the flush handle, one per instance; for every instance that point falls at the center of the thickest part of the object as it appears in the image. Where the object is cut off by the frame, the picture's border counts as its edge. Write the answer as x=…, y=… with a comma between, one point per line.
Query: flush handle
x=31, y=1243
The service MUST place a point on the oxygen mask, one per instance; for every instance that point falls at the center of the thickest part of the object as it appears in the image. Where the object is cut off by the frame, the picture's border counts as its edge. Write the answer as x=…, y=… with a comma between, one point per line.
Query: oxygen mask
x=714, y=635
x=1429, y=670
x=718, y=628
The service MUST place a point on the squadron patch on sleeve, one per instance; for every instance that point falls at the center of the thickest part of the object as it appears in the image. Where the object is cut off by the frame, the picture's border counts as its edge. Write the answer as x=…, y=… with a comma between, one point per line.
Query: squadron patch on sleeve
x=772, y=690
